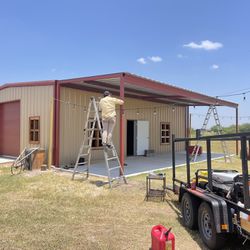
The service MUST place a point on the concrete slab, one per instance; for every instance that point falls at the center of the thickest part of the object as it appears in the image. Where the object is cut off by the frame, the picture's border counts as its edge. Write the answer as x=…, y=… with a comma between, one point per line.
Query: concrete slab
x=4, y=160
x=136, y=165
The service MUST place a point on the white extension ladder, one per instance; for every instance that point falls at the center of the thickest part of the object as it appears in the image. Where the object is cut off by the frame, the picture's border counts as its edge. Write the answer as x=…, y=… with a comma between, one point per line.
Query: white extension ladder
x=110, y=154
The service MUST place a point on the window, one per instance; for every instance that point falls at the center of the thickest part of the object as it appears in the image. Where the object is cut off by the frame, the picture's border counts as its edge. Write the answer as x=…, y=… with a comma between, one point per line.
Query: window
x=97, y=137
x=34, y=130
x=165, y=133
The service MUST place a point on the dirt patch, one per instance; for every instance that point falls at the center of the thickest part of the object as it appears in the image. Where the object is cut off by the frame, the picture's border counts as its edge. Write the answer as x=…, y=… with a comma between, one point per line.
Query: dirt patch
x=33, y=173
x=6, y=164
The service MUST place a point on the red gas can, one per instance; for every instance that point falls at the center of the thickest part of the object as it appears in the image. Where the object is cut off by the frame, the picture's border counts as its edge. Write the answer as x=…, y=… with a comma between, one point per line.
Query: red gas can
x=162, y=238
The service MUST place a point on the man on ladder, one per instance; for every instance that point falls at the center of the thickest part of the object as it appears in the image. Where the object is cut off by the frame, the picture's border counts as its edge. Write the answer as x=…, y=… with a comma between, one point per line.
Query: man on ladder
x=107, y=107
x=110, y=155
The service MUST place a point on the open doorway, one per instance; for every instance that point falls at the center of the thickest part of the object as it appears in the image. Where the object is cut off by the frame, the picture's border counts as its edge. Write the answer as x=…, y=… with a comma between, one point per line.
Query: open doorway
x=131, y=135
x=137, y=137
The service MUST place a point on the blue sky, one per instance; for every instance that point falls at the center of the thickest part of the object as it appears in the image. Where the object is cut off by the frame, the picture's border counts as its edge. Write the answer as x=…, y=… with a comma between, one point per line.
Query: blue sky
x=194, y=44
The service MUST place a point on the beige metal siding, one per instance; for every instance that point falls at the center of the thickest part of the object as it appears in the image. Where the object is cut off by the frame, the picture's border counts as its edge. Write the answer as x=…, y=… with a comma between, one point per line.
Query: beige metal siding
x=34, y=101
x=143, y=110
x=73, y=117
x=72, y=121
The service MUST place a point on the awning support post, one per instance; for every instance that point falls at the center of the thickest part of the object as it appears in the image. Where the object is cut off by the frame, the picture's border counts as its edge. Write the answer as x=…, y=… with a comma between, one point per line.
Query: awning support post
x=56, y=124
x=122, y=123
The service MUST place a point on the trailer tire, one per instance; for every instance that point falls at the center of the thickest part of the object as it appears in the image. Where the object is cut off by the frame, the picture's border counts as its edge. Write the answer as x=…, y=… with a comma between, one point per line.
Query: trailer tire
x=207, y=228
x=189, y=210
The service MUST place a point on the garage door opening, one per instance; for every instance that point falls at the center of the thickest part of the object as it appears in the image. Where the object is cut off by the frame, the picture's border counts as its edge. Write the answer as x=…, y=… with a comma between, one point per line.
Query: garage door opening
x=10, y=128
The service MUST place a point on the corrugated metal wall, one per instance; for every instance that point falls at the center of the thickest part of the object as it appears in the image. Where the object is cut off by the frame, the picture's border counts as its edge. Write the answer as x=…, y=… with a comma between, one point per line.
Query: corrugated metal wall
x=34, y=101
x=72, y=120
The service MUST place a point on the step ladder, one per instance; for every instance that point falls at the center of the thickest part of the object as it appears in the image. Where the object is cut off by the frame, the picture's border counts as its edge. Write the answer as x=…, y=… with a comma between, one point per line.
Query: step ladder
x=211, y=110
x=111, y=157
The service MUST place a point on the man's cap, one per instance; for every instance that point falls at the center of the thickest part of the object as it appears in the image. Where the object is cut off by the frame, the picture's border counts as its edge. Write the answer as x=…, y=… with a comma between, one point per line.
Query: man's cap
x=106, y=93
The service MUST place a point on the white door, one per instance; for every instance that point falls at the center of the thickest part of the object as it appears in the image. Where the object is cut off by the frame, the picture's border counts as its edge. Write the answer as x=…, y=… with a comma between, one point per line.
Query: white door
x=142, y=137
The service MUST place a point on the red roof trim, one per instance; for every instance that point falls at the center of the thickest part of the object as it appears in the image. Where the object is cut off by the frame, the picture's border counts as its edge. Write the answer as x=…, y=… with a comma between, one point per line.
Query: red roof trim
x=156, y=85
x=27, y=84
x=135, y=80
x=151, y=84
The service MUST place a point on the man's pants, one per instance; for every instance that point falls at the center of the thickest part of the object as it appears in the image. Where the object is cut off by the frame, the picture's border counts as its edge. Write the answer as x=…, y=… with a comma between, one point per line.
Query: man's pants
x=108, y=126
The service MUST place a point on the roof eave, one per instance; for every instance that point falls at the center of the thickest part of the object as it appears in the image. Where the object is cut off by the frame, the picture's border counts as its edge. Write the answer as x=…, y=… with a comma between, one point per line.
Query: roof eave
x=27, y=84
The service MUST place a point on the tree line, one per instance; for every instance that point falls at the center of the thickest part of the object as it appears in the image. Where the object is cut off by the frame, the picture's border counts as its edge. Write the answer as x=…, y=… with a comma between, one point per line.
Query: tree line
x=245, y=127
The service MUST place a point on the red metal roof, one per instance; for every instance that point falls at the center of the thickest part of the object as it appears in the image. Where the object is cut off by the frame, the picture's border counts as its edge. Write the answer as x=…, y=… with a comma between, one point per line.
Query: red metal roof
x=135, y=87
x=145, y=88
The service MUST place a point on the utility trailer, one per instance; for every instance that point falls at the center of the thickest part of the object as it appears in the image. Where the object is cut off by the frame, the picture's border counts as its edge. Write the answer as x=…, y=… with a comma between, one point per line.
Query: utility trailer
x=215, y=201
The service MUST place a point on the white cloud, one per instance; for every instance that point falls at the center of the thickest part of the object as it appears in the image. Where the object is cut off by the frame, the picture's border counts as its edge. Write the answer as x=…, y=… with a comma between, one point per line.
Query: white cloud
x=142, y=60
x=206, y=45
x=155, y=58
x=214, y=66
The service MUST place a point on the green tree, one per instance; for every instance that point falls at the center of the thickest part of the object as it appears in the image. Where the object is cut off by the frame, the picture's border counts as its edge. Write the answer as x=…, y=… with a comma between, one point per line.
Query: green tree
x=245, y=127
x=230, y=129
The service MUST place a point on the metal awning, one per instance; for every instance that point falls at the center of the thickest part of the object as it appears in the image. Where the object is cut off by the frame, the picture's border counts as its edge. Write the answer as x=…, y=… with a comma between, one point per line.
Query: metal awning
x=143, y=88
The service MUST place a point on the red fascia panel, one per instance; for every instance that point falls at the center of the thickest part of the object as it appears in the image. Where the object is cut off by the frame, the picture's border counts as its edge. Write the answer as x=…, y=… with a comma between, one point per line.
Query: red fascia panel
x=150, y=84
x=27, y=84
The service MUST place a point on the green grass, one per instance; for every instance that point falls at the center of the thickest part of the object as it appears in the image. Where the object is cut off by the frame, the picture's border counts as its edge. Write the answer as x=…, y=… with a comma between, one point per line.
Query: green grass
x=46, y=210
x=49, y=211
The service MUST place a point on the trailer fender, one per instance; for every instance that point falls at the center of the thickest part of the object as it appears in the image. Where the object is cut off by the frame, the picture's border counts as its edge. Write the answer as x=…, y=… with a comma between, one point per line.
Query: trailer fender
x=222, y=218
x=222, y=214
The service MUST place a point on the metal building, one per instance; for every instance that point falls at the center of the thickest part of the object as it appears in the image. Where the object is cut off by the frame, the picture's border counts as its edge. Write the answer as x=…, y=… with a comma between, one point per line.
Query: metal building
x=52, y=114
